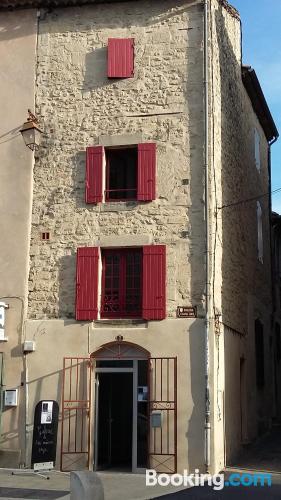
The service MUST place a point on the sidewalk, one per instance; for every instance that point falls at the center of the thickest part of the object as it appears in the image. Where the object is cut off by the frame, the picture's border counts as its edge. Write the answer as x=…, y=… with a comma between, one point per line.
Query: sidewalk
x=117, y=486
x=24, y=485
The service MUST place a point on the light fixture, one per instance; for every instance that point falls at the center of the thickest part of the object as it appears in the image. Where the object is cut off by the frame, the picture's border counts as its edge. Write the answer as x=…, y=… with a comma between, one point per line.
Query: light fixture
x=30, y=132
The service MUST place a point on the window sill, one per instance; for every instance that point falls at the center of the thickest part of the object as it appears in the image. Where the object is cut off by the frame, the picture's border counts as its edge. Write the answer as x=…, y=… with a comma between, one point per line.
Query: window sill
x=123, y=323
x=116, y=206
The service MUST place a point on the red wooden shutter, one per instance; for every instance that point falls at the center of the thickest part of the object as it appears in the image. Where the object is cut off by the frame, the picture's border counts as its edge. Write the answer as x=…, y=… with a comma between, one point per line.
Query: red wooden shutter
x=154, y=282
x=120, y=60
x=94, y=164
x=146, y=171
x=87, y=283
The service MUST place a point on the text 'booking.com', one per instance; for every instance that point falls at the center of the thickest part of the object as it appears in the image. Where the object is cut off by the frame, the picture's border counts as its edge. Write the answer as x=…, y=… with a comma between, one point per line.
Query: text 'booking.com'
x=217, y=481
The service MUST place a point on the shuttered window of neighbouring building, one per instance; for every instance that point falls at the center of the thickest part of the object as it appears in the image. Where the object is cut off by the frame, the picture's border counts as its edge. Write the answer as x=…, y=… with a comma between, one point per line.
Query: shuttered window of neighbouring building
x=133, y=283
x=120, y=59
x=87, y=283
x=94, y=174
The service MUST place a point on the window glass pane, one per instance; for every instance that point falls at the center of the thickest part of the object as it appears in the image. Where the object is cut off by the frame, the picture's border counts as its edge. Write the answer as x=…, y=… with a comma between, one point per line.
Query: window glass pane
x=111, y=283
x=133, y=296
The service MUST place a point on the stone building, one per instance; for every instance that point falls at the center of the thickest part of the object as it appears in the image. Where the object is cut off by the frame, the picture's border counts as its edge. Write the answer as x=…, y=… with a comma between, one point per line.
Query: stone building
x=136, y=256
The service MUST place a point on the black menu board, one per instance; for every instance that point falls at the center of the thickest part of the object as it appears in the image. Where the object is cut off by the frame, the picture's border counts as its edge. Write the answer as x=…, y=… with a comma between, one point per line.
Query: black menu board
x=45, y=431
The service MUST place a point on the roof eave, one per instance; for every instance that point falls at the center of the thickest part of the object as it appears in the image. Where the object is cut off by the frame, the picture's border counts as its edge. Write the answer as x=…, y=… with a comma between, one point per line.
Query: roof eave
x=260, y=106
x=29, y=4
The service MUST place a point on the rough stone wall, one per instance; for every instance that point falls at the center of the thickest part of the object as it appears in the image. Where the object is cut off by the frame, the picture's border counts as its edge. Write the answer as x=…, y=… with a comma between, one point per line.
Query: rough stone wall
x=78, y=105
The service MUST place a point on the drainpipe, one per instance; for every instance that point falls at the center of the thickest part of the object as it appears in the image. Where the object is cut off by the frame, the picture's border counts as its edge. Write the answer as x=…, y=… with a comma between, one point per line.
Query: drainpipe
x=270, y=143
x=207, y=427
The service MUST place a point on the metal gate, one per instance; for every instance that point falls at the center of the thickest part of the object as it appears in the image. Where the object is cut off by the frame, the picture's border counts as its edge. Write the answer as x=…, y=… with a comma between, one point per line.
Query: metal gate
x=76, y=435
x=163, y=397
x=76, y=413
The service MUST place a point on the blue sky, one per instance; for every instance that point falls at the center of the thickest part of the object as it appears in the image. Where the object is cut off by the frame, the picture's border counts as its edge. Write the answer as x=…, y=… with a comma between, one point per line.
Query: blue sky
x=261, y=25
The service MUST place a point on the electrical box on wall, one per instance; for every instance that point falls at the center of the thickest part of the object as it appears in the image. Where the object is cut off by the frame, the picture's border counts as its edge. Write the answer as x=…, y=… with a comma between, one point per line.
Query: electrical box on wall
x=11, y=397
x=29, y=346
x=156, y=419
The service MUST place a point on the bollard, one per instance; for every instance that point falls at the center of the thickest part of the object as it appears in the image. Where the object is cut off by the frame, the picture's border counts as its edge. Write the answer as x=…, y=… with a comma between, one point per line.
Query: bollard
x=85, y=485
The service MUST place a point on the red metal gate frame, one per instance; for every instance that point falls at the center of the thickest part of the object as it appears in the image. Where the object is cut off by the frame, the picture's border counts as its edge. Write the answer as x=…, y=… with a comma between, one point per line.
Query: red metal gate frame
x=168, y=405
x=83, y=405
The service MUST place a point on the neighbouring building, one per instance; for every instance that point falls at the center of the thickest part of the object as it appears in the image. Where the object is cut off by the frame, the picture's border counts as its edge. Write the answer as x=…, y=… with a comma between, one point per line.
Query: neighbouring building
x=112, y=247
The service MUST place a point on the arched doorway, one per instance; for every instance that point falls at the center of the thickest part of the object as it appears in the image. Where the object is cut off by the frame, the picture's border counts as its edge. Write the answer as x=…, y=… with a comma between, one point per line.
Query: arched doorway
x=119, y=410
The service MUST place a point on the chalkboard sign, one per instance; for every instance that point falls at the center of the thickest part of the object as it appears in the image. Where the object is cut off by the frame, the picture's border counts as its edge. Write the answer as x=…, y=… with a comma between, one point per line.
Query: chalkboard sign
x=45, y=431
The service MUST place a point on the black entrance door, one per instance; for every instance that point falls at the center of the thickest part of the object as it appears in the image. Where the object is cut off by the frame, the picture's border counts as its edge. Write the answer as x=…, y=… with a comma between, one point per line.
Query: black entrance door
x=115, y=420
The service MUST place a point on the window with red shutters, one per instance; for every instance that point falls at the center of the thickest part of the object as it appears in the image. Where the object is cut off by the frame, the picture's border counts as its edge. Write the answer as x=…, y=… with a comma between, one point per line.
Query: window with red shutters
x=133, y=283
x=131, y=172
x=87, y=283
x=120, y=60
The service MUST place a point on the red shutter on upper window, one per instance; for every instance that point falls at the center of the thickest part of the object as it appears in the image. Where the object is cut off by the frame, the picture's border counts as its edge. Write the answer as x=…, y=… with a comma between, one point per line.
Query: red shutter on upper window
x=94, y=167
x=120, y=59
x=87, y=283
x=154, y=282
x=146, y=172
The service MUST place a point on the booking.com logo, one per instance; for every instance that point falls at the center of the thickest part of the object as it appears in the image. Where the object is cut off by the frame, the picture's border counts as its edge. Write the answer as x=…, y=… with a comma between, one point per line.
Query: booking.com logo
x=217, y=481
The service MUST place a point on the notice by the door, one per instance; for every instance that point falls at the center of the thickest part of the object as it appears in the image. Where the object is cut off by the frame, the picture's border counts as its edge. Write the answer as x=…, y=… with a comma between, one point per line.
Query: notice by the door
x=142, y=392
x=47, y=412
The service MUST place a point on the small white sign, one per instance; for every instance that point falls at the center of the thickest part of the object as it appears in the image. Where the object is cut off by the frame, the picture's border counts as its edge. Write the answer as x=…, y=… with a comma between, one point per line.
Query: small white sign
x=43, y=466
x=142, y=392
x=11, y=397
x=47, y=412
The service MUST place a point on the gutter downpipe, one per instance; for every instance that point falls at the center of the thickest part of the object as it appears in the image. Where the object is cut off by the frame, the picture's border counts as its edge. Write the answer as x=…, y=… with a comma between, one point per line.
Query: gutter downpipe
x=270, y=143
x=207, y=427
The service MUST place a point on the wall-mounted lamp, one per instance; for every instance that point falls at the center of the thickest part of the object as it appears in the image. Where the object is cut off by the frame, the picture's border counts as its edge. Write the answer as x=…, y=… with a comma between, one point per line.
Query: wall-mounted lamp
x=30, y=132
